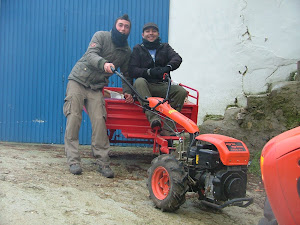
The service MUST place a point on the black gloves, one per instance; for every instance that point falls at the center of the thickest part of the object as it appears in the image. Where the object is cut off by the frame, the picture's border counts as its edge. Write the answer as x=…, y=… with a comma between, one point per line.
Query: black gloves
x=167, y=69
x=158, y=72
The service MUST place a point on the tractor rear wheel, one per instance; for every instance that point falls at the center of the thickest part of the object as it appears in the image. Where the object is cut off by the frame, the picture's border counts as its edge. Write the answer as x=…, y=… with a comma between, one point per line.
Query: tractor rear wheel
x=167, y=183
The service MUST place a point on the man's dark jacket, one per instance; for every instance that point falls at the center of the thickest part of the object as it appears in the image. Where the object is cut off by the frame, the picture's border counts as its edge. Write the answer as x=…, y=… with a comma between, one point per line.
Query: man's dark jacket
x=141, y=60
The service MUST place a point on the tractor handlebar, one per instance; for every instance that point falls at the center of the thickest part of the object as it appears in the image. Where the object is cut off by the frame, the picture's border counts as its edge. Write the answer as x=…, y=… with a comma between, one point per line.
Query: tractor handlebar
x=129, y=84
x=166, y=76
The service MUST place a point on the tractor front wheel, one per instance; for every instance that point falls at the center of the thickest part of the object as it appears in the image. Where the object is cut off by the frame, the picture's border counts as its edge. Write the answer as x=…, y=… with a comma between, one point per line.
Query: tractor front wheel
x=167, y=183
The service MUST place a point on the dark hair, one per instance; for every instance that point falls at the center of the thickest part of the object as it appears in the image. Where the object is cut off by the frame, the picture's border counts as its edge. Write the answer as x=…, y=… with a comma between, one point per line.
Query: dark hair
x=124, y=17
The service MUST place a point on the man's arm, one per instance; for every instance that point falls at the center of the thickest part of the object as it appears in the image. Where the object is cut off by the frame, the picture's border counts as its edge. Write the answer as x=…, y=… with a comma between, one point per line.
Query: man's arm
x=93, y=52
x=174, y=58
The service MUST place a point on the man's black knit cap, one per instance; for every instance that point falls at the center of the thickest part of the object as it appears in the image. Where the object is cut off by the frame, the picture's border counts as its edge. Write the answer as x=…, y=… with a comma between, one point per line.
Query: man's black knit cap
x=150, y=25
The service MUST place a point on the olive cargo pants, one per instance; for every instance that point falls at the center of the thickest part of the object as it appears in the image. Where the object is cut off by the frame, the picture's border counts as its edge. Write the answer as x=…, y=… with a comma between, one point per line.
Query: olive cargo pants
x=78, y=96
x=177, y=94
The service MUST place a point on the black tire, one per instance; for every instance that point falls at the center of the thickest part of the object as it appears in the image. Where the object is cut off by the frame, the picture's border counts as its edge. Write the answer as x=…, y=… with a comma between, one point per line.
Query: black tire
x=167, y=183
x=269, y=217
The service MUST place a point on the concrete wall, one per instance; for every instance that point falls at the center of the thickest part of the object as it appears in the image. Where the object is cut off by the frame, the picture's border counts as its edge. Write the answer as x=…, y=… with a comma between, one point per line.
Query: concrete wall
x=235, y=48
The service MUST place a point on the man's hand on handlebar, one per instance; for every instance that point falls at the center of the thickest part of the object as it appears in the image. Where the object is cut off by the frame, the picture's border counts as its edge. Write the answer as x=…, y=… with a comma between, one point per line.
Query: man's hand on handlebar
x=108, y=67
x=157, y=72
x=167, y=69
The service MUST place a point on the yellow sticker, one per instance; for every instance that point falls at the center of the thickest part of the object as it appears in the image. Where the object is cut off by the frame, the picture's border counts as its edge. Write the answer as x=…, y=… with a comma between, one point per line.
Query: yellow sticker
x=172, y=110
x=197, y=159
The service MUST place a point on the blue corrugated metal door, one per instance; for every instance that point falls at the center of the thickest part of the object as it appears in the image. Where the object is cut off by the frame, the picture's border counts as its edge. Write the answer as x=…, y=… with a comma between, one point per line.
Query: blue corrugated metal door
x=40, y=41
x=32, y=64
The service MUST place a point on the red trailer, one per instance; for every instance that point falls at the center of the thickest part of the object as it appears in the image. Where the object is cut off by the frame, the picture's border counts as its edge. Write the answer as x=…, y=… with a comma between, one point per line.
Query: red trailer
x=132, y=121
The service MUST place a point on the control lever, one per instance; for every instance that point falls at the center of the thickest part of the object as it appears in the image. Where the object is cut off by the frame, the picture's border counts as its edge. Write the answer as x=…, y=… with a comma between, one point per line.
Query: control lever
x=129, y=84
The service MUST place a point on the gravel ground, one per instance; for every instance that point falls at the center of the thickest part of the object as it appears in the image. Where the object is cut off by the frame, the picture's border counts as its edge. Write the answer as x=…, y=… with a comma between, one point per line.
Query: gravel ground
x=37, y=188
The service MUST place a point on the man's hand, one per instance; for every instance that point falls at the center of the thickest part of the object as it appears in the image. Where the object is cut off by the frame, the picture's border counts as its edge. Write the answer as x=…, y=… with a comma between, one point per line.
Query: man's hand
x=167, y=69
x=157, y=72
x=128, y=98
x=107, y=67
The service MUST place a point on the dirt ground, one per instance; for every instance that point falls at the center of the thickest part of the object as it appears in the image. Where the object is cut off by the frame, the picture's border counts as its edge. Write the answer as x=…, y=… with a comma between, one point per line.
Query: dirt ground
x=37, y=188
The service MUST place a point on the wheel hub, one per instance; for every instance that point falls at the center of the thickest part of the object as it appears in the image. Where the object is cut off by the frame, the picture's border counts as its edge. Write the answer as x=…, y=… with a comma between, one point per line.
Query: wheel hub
x=160, y=183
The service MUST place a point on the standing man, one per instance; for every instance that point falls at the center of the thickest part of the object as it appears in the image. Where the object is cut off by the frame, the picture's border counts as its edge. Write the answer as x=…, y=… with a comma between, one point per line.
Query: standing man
x=86, y=81
x=148, y=63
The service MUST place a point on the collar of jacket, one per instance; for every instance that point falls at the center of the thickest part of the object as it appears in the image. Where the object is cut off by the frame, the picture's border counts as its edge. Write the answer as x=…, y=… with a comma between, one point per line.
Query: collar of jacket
x=124, y=48
x=143, y=46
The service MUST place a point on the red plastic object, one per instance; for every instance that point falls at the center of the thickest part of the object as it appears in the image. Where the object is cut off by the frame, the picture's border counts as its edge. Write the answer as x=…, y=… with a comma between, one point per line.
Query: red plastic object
x=165, y=109
x=232, y=152
x=280, y=167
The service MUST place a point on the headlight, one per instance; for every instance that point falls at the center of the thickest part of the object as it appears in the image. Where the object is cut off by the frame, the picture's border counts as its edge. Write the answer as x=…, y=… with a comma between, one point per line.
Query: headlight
x=261, y=166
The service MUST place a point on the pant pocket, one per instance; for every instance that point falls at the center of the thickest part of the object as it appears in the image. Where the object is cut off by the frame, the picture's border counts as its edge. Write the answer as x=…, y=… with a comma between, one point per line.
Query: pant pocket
x=104, y=109
x=67, y=106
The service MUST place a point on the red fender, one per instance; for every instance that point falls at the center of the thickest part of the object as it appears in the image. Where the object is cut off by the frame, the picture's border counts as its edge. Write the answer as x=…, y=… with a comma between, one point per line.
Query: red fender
x=232, y=151
x=280, y=169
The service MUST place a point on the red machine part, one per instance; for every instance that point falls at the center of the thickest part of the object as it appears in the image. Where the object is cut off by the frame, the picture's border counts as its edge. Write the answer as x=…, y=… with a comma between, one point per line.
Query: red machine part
x=173, y=114
x=160, y=183
x=232, y=152
x=280, y=168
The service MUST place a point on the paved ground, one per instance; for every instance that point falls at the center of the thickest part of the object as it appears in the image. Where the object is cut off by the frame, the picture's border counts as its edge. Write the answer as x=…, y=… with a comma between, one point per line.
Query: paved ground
x=37, y=188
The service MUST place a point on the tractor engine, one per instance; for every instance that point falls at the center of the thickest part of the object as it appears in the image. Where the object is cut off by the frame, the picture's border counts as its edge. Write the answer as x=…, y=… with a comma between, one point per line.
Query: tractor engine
x=216, y=182
x=224, y=185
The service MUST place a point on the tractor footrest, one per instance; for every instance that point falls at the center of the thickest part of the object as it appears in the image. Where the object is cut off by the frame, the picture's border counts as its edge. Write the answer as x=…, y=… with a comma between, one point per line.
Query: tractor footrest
x=234, y=202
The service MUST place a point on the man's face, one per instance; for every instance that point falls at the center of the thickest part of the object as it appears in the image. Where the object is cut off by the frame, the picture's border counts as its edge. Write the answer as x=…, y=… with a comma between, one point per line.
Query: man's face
x=123, y=26
x=150, y=34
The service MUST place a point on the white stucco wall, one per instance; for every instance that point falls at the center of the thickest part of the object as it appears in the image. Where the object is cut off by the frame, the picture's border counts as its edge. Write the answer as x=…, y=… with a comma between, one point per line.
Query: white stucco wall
x=234, y=48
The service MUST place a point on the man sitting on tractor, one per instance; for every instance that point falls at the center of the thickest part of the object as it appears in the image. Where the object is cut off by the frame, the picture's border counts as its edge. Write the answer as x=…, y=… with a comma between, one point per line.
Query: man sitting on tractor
x=149, y=61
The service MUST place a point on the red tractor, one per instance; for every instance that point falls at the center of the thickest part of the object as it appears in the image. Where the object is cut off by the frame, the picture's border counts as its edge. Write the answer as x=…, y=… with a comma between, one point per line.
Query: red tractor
x=214, y=166
x=280, y=169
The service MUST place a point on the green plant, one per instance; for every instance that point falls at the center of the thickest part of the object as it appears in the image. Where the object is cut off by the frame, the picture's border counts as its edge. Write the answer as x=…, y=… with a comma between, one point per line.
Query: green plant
x=254, y=167
x=213, y=117
x=292, y=76
x=232, y=106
